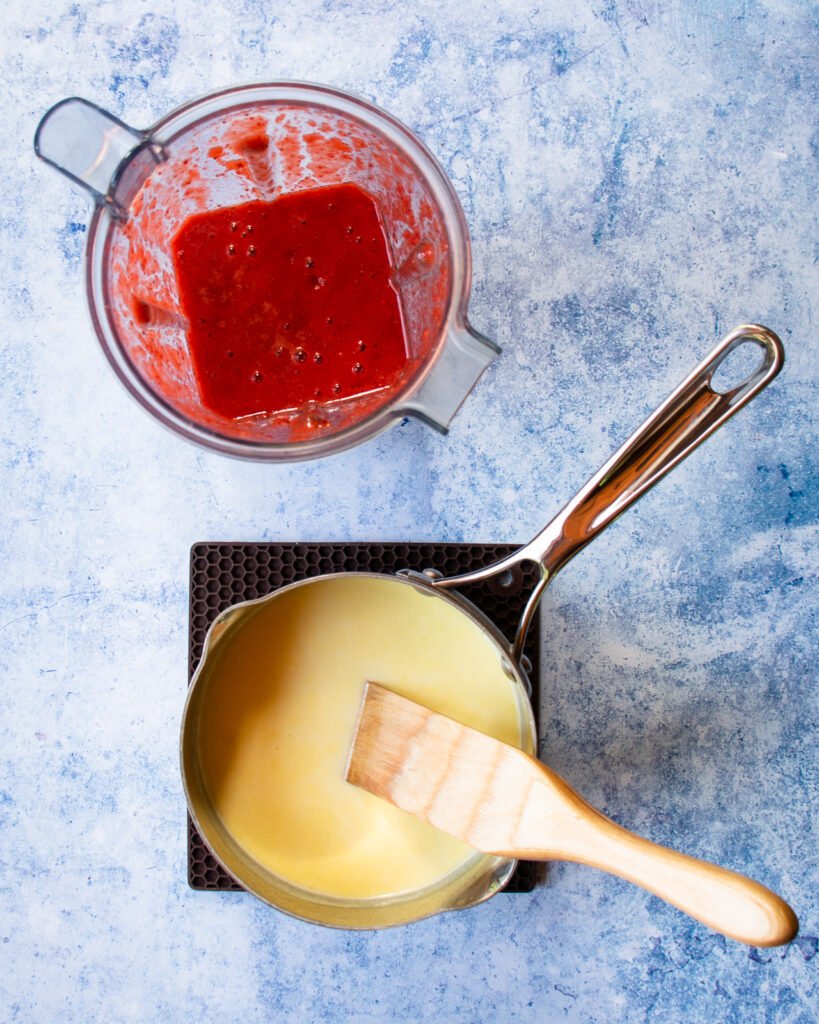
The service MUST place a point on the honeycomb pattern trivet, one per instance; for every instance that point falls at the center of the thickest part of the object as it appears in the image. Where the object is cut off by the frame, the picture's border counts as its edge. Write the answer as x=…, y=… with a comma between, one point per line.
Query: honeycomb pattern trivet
x=224, y=574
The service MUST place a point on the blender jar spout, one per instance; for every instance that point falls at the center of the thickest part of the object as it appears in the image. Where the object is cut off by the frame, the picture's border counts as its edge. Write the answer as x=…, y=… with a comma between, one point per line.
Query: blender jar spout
x=97, y=151
x=465, y=355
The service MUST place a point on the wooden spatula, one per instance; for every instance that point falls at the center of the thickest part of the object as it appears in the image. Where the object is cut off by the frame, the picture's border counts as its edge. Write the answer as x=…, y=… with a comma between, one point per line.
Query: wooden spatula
x=502, y=801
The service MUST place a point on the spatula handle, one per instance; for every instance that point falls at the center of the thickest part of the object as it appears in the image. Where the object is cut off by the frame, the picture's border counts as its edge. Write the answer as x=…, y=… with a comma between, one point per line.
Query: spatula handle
x=726, y=901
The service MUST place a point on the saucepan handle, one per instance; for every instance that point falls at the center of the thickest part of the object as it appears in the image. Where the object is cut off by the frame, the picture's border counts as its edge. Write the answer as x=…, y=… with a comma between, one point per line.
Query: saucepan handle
x=687, y=417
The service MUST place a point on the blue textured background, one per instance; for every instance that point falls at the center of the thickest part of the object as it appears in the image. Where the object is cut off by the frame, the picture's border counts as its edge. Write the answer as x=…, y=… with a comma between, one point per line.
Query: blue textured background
x=638, y=176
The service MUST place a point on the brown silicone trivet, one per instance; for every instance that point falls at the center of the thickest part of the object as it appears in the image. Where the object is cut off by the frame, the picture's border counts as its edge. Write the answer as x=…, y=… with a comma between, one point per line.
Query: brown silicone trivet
x=224, y=574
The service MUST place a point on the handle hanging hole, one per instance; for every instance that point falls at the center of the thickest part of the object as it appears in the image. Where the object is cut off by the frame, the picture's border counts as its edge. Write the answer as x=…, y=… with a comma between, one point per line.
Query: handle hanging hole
x=737, y=366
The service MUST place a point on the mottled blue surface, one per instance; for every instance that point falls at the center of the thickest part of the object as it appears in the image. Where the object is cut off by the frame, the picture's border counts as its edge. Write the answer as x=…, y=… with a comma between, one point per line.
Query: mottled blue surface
x=638, y=176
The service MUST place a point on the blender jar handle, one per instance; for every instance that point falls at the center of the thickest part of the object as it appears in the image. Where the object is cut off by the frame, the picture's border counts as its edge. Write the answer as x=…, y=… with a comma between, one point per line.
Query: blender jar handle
x=465, y=355
x=96, y=150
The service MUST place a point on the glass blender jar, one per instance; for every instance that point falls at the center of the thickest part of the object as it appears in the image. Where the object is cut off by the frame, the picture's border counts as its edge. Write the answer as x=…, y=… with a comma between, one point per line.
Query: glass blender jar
x=145, y=184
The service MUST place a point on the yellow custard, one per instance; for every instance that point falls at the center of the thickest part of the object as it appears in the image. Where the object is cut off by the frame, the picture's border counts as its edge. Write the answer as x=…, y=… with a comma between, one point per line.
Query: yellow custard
x=279, y=712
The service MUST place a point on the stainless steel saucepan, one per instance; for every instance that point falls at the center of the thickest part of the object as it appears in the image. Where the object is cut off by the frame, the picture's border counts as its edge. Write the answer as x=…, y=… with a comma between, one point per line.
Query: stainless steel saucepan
x=687, y=417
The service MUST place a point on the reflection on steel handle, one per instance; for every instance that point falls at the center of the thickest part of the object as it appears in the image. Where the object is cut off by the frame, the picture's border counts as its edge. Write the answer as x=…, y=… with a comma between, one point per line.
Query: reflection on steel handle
x=687, y=417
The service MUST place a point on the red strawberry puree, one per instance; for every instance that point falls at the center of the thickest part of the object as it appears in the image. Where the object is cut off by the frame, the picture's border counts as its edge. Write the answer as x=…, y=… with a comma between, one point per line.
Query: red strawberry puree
x=289, y=301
